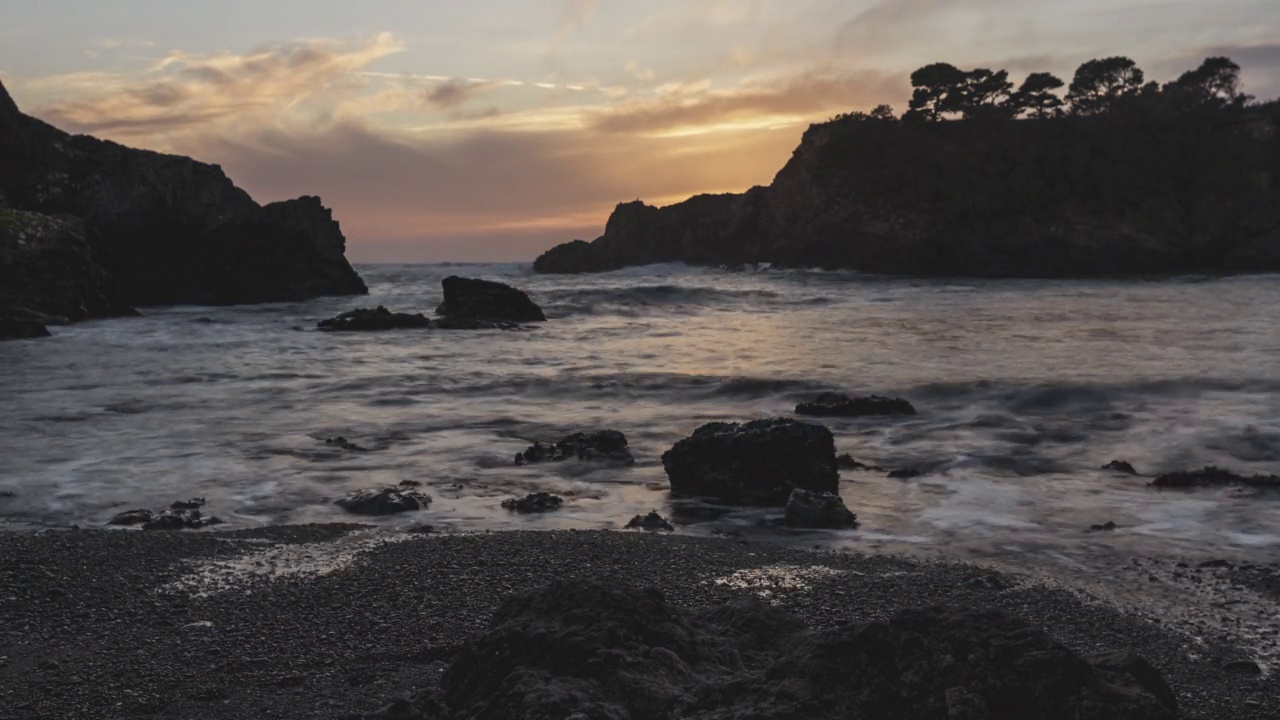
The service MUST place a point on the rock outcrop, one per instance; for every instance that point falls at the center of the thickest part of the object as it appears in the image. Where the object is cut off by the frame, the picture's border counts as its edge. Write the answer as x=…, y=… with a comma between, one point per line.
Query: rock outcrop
x=756, y=463
x=1125, y=194
x=113, y=227
x=839, y=405
x=470, y=299
x=597, y=652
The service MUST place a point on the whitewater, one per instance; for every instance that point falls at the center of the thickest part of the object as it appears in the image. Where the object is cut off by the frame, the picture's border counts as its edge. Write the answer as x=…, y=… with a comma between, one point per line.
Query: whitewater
x=1024, y=390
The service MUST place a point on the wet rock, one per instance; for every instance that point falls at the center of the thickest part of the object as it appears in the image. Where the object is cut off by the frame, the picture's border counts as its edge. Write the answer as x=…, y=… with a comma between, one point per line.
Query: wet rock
x=1127, y=664
x=21, y=329
x=847, y=462
x=652, y=521
x=905, y=473
x=409, y=484
x=591, y=651
x=344, y=444
x=385, y=501
x=756, y=463
x=830, y=404
x=132, y=517
x=373, y=320
x=181, y=520
x=468, y=298
x=192, y=504
x=603, y=445
x=1108, y=526
x=1214, y=476
x=806, y=509
x=473, y=324
x=1120, y=466
x=534, y=503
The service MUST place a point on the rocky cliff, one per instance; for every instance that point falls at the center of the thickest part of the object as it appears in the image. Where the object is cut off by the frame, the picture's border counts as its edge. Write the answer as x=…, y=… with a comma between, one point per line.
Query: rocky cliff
x=148, y=229
x=1068, y=197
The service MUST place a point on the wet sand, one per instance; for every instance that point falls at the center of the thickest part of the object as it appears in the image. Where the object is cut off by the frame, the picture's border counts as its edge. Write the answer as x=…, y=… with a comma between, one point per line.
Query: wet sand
x=336, y=621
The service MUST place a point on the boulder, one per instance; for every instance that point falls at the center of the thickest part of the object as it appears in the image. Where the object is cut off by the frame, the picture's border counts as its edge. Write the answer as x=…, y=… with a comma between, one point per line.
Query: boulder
x=373, y=320
x=602, y=445
x=472, y=299
x=1213, y=476
x=591, y=651
x=806, y=509
x=652, y=521
x=385, y=501
x=534, y=503
x=840, y=405
x=756, y=463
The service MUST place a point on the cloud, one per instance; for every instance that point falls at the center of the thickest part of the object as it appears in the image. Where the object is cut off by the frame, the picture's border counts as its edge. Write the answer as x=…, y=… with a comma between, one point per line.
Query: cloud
x=186, y=91
x=453, y=93
x=787, y=98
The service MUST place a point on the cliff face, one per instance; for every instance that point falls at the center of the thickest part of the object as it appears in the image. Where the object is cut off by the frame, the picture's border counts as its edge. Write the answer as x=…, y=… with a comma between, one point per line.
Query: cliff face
x=169, y=230
x=1046, y=198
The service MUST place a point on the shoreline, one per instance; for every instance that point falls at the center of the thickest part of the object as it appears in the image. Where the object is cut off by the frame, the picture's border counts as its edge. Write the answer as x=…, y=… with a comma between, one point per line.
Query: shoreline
x=340, y=620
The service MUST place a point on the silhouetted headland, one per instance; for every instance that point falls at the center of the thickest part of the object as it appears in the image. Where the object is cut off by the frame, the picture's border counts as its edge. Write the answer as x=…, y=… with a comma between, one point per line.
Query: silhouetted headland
x=1121, y=178
x=89, y=228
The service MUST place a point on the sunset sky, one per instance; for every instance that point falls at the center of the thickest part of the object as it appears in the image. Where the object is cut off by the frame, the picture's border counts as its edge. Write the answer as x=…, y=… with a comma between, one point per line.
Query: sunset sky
x=492, y=130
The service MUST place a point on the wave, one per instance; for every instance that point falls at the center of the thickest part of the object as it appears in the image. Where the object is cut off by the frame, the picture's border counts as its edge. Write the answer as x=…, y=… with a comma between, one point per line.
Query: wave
x=608, y=300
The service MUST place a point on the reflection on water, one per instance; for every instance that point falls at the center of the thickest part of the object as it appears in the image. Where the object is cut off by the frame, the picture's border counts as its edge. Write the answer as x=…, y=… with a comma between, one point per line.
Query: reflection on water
x=1025, y=390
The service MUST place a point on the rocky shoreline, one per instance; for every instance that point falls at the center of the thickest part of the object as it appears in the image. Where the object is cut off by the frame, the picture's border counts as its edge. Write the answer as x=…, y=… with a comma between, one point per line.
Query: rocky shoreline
x=341, y=621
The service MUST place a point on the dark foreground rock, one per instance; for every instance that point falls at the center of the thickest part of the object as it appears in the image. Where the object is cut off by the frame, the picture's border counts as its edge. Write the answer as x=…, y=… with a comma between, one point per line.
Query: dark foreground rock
x=652, y=521
x=602, y=652
x=1214, y=476
x=602, y=445
x=386, y=501
x=165, y=229
x=756, y=463
x=373, y=320
x=534, y=503
x=806, y=509
x=472, y=299
x=840, y=405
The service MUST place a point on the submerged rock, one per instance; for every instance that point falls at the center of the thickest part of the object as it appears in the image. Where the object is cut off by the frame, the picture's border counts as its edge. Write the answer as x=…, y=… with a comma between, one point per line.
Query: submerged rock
x=345, y=444
x=132, y=517
x=652, y=521
x=192, y=504
x=385, y=501
x=848, y=462
x=807, y=509
x=472, y=299
x=1214, y=476
x=534, y=503
x=906, y=473
x=839, y=405
x=181, y=520
x=372, y=320
x=1107, y=526
x=1120, y=466
x=756, y=463
x=592, y=651
x=603, y=445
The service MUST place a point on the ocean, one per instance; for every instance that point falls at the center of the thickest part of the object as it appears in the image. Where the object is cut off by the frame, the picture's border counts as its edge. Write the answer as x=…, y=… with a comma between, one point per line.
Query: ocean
x=1024, y=390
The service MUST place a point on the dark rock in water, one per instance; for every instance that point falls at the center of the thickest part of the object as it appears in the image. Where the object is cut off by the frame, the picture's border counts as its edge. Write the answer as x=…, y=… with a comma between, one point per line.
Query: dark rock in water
x=1214, y=476
x=409, y=483
x=534, y=503
x=377, y=319
x=807, y=509
x=838, y=405
x=1244, y=667
x=1120, y=466
x=132, y=517
x=449, y=323
x=386, y=501
x=163, y=229
x=345, y=444
x=847, y=462
x=905, y=473
x=652, y=521
x=1108, y=526
x=468, y=298
x=603, y=445
x=756, y=463
x=181, y=520
x=192, y=504
x=591, y=651
x=20, y=329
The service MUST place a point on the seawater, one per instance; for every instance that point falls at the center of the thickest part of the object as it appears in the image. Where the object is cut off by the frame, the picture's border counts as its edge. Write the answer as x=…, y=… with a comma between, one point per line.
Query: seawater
x=1025, y=388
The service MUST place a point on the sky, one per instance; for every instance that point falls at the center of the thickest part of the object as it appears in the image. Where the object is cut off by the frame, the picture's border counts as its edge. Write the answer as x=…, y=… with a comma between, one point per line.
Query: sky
x=490, y=131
